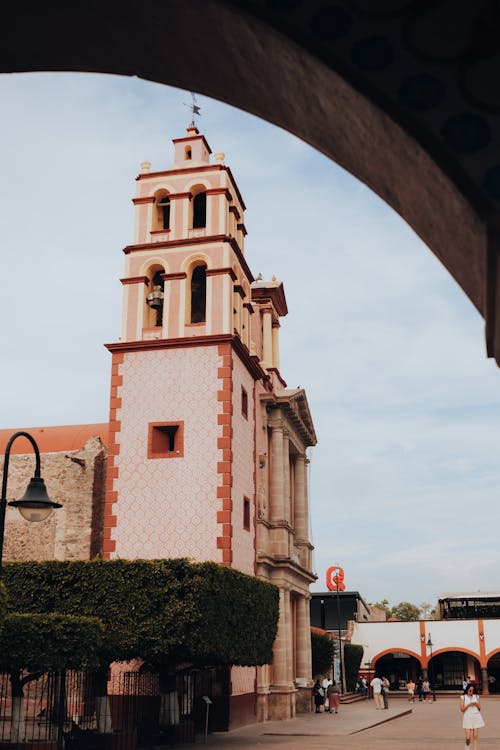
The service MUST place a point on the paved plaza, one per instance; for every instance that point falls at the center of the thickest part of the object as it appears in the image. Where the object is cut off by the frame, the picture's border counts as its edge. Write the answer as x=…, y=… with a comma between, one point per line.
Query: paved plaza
x=359, y=726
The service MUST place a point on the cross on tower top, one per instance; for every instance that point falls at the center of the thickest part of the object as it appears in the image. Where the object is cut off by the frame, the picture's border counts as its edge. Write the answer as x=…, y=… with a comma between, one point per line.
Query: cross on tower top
x=195, y=109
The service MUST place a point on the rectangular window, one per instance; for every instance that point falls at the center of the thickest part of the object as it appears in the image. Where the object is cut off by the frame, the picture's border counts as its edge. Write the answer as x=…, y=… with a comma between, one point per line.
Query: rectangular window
x=246, y=514
x=166, y=440
x=244, y=402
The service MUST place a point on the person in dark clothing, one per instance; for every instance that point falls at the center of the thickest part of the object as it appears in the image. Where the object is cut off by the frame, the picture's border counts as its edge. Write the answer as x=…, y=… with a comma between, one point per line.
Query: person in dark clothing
x=420, y=682
x=319, y=696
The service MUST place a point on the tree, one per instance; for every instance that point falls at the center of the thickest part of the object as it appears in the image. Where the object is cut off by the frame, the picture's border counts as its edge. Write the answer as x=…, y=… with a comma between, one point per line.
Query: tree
x=427, y=611
x=406, y=611
x=33, y=644
x=353, y=655
x=322, y=647
x=162, y=611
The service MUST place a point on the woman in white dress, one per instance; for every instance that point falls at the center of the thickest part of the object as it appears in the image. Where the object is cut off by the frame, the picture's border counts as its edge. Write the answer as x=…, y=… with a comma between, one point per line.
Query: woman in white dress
x=472, y=719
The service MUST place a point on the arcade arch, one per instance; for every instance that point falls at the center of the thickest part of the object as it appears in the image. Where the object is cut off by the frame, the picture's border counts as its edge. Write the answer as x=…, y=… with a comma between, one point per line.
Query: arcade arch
x=448, y=668
x=437, y=172
x=398, y=667
x=493, y=670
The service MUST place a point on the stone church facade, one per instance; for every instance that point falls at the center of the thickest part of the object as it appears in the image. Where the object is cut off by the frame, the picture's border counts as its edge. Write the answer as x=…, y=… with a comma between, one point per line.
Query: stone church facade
x=205, y=452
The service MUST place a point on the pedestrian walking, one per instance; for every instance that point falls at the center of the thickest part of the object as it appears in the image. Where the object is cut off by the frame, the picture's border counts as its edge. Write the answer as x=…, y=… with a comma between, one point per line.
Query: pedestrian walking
x=472, y=719
x=325, y=685
x=386, y=686
x=319, y=696
x=426, y=690
x=333, y=696
x=376, y=685
x=419, y=688
x=410, y=686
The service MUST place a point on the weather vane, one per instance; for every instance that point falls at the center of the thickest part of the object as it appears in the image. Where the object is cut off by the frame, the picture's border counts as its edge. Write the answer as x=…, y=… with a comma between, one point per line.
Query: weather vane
x=195, y=109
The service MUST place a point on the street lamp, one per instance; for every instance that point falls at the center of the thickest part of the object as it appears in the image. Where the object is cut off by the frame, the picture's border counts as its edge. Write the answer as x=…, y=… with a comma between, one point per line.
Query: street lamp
x=431, y=667
x=337, y=574
x=35, y=505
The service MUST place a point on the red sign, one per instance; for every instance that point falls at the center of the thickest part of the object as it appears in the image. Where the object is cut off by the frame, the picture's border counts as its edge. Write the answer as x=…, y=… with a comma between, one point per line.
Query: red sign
x=335, y=578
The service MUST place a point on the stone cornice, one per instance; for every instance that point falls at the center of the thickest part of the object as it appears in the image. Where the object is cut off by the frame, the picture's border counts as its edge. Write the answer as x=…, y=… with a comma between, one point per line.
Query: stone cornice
x=277, y=373
x=221, y=271
x=280, y=563
x=135, y=280
x=220, y=191
x=180, y=196
x=195, y=137
x=191, y=170
x=174, y=276
x=179, y=170
x=144, y=199
x=263, y=294
x=186, y=241
x=293, y=406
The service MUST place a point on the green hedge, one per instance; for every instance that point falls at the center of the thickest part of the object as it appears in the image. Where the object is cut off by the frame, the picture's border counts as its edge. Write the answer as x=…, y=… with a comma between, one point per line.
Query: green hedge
x=3, y=603
x=43, y=643
x=163, y=611
x=323, y=649
x=352, y=660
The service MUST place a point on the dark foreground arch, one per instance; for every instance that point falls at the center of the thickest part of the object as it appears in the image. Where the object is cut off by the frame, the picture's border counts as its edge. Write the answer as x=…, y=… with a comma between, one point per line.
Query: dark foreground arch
x=403, y=95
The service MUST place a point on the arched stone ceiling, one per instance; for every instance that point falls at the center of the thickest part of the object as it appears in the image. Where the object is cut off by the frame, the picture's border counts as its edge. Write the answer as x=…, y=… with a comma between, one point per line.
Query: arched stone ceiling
x=405, y=94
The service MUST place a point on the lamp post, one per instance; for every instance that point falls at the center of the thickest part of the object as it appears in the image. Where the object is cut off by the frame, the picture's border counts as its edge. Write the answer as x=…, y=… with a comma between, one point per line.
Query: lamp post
x=431, y=667
x=341, y=675
x=35, y=505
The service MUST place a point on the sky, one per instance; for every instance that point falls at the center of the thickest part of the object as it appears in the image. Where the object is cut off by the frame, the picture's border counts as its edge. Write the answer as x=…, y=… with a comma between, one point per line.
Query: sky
x=404, y=479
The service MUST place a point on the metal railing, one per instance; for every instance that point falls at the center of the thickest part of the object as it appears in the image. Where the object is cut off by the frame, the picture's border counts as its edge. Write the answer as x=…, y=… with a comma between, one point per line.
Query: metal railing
x=61, y=711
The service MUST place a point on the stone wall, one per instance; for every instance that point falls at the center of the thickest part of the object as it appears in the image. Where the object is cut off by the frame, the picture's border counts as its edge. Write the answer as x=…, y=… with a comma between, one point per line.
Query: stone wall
x=73, y=532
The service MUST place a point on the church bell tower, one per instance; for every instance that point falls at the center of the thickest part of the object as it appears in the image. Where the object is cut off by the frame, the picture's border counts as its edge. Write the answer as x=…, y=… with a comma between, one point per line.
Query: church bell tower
x=182, y=408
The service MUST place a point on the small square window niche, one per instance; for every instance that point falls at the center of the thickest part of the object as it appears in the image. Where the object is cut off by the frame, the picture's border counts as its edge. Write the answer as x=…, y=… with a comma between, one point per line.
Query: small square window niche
x=246, y=514
x=166, y=440
x=244, y=402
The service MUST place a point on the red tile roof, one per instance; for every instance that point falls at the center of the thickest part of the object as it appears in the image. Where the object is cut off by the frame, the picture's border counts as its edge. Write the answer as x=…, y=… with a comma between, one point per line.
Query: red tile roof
x=54, y=439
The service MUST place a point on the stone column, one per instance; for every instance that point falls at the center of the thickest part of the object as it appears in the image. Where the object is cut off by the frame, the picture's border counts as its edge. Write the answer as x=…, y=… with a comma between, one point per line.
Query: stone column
x=277, y=510
x=276, y=346
x=267, y=339
x=289, y=637
x=303, y=656
x=286, y=476
x=280, y=645
x=301, y=510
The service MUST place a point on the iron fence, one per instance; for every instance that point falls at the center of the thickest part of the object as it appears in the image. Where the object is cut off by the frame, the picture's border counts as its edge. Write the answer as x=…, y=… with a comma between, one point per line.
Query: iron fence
x=61, y=711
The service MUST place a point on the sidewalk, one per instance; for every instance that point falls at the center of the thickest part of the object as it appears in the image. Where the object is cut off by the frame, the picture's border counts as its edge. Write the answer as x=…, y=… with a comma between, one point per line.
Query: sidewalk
x=351, y=719
x=403, y=726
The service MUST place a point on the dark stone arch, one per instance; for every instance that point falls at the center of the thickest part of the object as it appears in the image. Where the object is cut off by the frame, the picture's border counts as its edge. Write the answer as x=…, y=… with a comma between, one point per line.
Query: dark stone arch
x=348, y=83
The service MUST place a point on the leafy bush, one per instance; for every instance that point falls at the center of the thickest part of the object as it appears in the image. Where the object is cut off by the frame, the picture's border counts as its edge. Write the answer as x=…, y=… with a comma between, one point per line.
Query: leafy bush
x=353, y=655
x=163, y=611
x=43, y=643
x=3, y=603
x=323, y=648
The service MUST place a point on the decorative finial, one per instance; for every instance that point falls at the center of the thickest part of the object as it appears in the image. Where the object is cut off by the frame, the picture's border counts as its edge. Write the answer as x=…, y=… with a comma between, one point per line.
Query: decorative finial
x=195, y=109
